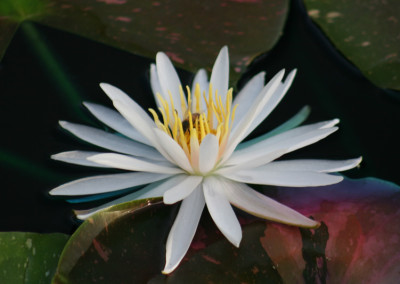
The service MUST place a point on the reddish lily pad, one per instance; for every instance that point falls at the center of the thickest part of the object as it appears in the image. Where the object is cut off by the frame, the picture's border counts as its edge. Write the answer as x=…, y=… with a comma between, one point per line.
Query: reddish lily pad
x=190, y=32
x=366, y=32
x=352, y=245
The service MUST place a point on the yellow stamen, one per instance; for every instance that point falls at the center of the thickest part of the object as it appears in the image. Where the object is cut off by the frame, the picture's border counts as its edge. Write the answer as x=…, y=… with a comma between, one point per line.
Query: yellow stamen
x=190, y=122
x=183, y=103
x=193, y=121
x=189, y=97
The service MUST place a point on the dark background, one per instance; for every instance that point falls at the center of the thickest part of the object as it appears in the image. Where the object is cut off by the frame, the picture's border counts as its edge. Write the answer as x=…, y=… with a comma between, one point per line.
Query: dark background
x=34, y=96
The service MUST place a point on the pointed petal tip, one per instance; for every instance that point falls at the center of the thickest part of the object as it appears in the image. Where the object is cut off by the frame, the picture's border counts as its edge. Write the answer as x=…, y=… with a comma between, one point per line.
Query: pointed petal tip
x=161, y=57
x=56, y=156
x=237, y=242
x=104, y=85
x=357, y=162
x=87, y=104
x=63, y=123
x=279, y=76
x=292, y=74
x=108, y=89
x=167, y=270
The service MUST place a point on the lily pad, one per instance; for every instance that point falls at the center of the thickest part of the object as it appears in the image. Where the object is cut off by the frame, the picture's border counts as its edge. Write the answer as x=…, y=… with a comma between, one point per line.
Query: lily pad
x=126, y=243
x=29, y=257
x=190, y=32
x=366, y=32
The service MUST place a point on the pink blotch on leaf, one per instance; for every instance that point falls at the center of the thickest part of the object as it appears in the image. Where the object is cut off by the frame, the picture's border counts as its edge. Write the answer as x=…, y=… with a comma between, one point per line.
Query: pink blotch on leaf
x=136, y=10
x=210, y=259
x=123, y=19
x=156, y=4
x=102, y=253
x=237, y=69
x=175, y=57
x=160, y=29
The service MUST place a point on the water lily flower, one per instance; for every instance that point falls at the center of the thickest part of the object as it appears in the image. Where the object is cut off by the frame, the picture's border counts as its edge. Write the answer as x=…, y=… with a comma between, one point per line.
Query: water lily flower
x=191, y=150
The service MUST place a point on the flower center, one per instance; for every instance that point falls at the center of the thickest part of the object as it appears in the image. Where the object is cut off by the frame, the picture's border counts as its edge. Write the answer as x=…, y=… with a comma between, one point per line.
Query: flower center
x=203, y=114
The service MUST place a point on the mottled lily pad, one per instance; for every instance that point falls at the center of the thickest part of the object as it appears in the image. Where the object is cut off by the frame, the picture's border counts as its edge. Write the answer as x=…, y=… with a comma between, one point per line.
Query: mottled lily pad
x=352, y=245
x=29, y=257
x=190, y=32
x=366, y=32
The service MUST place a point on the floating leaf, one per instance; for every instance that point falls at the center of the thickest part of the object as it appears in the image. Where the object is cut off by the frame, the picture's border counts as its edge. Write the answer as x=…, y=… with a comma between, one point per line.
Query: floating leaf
x=127, y=243
x=121, y=244
x=190, y=32
x=366, y=32
x=363, y=244
x=29, y=257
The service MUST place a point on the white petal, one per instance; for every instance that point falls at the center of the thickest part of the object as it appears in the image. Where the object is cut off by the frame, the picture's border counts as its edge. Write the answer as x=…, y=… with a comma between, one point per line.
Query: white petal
x=247, y=95
x=106, y=183
x=142, y=122
x=321, y=166
x=129, y=163
x=254, y=161
x=116, y=121
x=208, y=153
x=240, y=130
x=132, y=112
x=116, y=94
x=111, y=141
x=173, y=150
x=283, y=178
x=182, y=190
x=255, y=203
x=290, y=140
x=169, y=80
x=220, y=73
x=155, y=189
x=155, y=83
x=183, y=230
x=273, y=102
x=202, y=80
x=221, y=211
x=78, y=158
x=293, y=122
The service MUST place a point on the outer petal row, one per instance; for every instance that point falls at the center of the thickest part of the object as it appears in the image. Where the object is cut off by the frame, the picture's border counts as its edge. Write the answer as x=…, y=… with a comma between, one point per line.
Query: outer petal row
x=183, y=230
x=253, y=202
x=156, y=189
x=111, y=141
x=116, y=121
x=106, y=183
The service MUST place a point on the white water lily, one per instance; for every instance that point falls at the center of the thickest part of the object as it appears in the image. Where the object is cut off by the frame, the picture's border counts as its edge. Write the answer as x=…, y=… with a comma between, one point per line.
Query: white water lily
x=190, y=152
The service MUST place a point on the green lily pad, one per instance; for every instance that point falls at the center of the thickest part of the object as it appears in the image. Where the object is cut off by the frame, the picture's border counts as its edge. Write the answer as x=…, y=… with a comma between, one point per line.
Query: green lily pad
x=29, y=257
x=190, y=32
x=366, y=32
